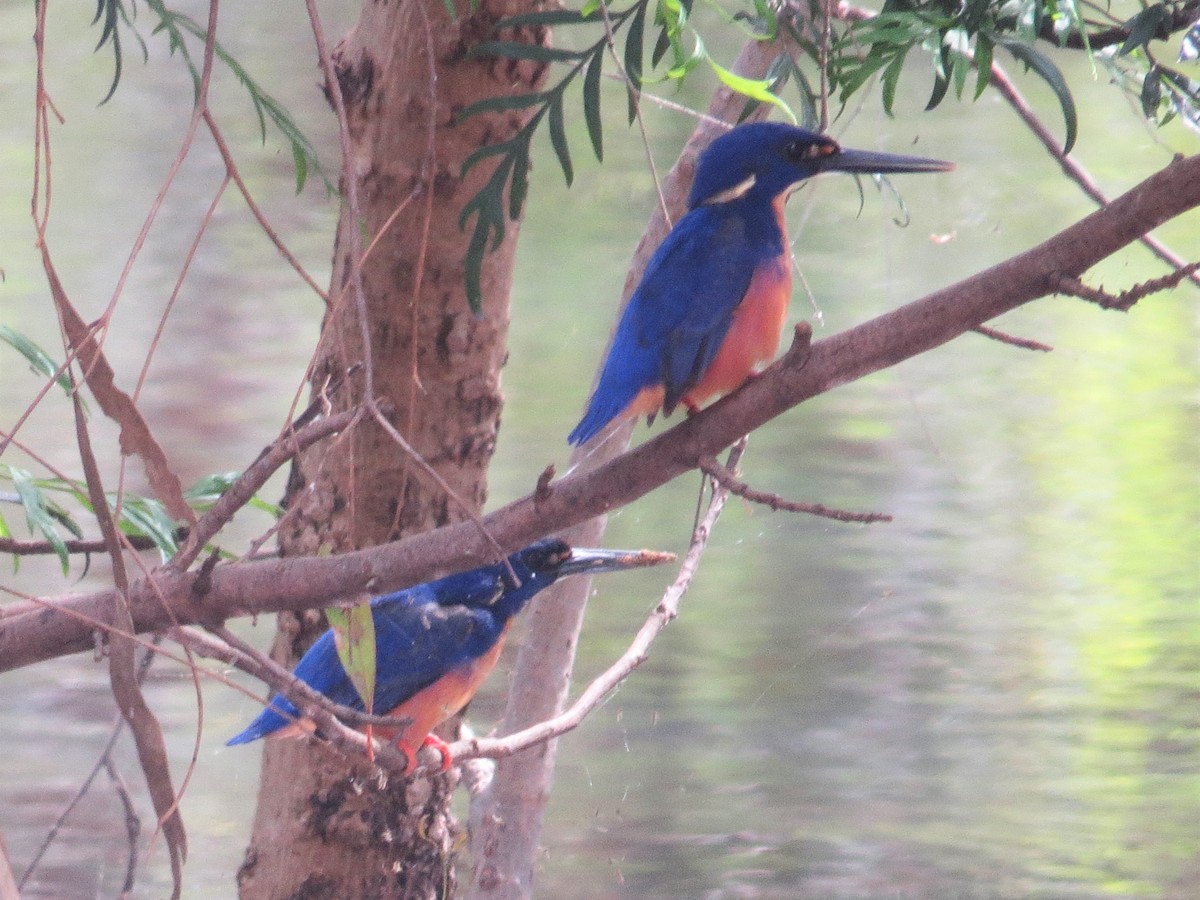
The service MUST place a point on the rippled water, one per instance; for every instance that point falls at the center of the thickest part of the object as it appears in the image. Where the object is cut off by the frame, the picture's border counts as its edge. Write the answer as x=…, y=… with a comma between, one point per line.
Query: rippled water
x=997, y=694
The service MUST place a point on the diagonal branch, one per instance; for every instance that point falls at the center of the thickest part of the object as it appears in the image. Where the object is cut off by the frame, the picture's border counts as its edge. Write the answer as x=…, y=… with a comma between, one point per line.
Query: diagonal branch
x=27, y=634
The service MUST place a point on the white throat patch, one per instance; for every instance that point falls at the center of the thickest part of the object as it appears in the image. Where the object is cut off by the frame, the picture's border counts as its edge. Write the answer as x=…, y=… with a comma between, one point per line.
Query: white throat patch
x=738, y=190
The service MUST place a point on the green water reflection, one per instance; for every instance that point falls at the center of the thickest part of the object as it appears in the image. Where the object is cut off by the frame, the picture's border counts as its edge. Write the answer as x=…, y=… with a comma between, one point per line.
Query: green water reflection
x=995, y=695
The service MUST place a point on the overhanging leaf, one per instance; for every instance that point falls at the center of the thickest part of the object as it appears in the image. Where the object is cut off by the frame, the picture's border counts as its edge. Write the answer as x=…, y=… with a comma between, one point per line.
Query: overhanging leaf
x=558, y=140
x=757, y=89
x=1053, y=77
x=591, y=103
x=1144, y=27
x=37, y=514
x=354, y=637
x=37, y=358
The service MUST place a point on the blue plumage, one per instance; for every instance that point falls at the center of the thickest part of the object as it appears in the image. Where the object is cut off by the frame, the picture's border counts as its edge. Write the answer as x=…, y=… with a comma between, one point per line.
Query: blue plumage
x=729, y=250
x=438, y=629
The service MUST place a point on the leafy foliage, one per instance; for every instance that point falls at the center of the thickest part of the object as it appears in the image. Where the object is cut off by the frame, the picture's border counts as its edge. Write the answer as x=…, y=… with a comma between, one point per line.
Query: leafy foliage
x=140, y=517
x=39, y=360
x=503, y=196
x=176, y=26
x=957, y=39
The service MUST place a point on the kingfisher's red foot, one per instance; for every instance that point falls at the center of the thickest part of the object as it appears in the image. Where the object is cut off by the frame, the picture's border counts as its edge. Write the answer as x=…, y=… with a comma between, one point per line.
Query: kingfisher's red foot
x=690, y=406
x=441, y=747
x=410, y=756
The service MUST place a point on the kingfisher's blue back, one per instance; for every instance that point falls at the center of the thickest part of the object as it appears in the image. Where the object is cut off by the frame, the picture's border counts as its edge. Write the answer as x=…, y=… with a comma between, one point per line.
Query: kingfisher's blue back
x=712, y=303
x=420, y=634
x=436, y=643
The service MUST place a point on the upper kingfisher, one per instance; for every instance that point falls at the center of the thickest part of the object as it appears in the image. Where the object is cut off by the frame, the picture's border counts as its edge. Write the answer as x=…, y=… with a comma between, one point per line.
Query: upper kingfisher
x=436, y=643
x=712, y=302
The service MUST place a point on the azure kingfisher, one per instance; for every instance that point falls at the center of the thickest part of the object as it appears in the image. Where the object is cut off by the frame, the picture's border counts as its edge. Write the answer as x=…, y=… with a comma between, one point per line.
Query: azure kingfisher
x=712, y=302
x=436, y=643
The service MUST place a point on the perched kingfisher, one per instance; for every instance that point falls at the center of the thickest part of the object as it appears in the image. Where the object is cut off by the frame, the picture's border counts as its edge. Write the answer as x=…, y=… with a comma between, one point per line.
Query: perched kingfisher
x=436, y=643
x=712, y=303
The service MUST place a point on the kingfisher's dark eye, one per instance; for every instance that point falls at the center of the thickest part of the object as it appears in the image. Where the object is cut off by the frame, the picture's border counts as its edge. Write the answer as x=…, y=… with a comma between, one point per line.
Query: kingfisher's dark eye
x=797, y=152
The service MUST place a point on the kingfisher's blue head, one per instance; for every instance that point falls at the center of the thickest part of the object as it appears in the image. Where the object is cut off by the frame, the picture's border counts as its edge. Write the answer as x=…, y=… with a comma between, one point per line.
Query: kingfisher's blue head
x=764, y=159
x=542, y=563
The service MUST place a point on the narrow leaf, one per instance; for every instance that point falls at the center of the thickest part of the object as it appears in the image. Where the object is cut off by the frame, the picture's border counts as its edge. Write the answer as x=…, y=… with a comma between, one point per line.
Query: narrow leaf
x=354, y=637
x=37, y=358
x=983, y=63
x=1151, y=93
x=1053, y=77
x=754, y=88
x=558, y=140
x=891, y=76
x=548, y=17
x=146, y=517
x=502, y=104
x=1143, y=27
x=519, y=50
x=37, y=515
x=634, y=49
x=591, y=103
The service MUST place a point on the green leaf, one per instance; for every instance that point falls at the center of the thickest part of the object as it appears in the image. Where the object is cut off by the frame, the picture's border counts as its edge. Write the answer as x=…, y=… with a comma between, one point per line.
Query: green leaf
x=1144, y=27
x=548, y=18
x=634, y=49
x=1151, y=93
x=205, y=492
x=519, y=50
x=558, y=140
x=488, y=208
x=941, y=84
x=1053, y=77
x=37, y=514
x=145, y=517
x=983, y=63
x=756, y=89
x=38, y=359
x=502, y=104
x=354, y=637
x=891, y=75
x=5, y=533
x=591, y=103
x=518, y=187
x=504, y=148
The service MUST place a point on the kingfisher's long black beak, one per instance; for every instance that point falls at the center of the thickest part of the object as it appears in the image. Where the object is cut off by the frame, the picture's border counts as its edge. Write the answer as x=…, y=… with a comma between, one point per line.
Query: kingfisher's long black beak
x=589, y=561
x=846, y=160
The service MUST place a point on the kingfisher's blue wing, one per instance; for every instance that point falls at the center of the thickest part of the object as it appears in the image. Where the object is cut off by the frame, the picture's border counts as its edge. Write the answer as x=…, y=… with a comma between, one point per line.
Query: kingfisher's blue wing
x=417, y=645
x=678, y=316
x=417, y=641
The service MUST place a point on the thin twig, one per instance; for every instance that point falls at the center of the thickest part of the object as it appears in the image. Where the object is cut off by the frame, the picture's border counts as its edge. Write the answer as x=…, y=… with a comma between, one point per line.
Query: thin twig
x=728, y=480
x=133, y=824
x=1004, y=337
x=637, y=653
x=251, y=481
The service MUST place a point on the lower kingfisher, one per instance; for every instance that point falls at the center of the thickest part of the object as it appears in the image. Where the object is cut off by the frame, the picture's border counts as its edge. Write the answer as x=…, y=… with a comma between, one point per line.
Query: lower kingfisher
x=712, y=303
x=436, y=643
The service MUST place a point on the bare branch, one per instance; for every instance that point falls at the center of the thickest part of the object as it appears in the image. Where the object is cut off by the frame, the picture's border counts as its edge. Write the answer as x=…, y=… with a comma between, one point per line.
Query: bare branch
x=29, y=634
x=729, y=481
x=1003, y=337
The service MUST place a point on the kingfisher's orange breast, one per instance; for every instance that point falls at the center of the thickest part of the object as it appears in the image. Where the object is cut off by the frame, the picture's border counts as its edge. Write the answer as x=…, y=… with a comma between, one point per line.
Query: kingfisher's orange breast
x=753, y=336
x=434, y=704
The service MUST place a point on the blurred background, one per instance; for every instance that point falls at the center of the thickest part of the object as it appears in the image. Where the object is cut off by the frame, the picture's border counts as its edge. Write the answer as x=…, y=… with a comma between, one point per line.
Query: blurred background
x=996, y=694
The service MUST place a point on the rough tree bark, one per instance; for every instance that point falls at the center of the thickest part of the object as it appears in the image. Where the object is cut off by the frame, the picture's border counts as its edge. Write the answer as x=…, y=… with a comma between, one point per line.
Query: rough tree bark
x=322, y=828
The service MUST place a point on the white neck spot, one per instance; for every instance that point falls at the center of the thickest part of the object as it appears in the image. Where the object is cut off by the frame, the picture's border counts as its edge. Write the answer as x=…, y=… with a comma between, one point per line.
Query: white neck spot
x=738, y=190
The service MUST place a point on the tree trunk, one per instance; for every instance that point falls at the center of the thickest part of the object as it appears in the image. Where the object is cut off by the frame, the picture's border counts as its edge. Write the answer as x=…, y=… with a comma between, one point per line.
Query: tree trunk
x=326, y=827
